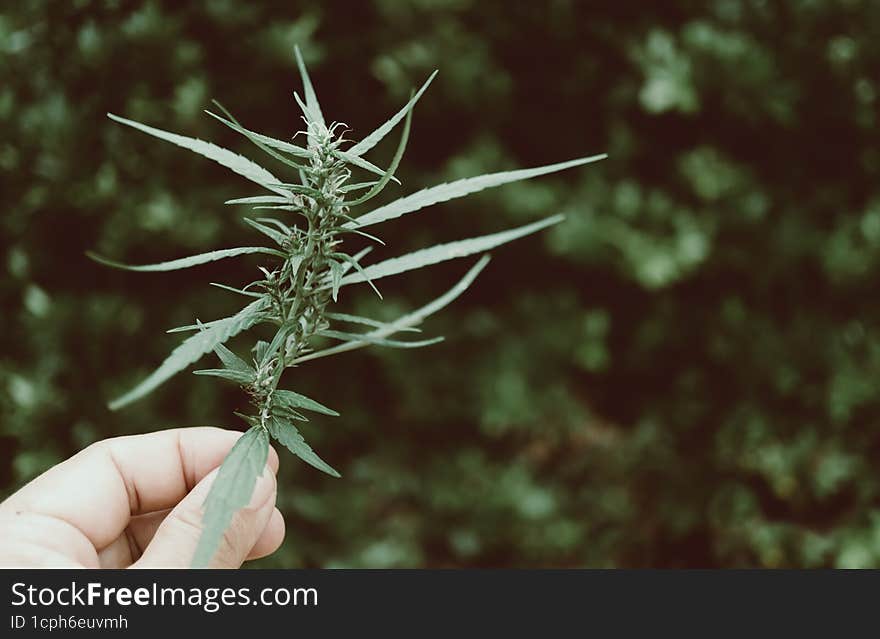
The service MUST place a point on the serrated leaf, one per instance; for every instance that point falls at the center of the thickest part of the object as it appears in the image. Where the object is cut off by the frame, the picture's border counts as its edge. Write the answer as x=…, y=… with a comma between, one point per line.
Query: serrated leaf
x=232, y=490
x=395, y=162
x=357, y=186
x=409, y=320
x=460, y=188
x=342, y=230
x=187, y=262
x=335, y=278
x=276, y=343
x=357, y=257
x=311, y=99
x=260, y=199
x=378, y=341
x=232, y=361
x=272, y=234
x=361, y=163
x=291, y=400
x=288, y=435
x=233, y=161
x=361, y=272
x=281, y=145
x=224, y=373
x=279, y=224
x=225, y=287
x=250, y=135
x=376, y=136
x=443, y=252
x=192, y=349
x=365, y=321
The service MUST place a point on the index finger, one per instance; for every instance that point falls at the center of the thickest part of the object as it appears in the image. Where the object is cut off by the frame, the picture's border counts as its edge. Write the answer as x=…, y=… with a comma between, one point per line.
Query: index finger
x=100, y=488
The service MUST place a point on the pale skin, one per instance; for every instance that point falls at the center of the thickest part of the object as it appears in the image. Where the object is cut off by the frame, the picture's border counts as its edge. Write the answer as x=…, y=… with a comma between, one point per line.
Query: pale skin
x=136, y=502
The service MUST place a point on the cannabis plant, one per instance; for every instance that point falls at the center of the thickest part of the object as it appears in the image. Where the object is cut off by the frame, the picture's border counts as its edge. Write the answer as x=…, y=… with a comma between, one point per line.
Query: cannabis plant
x=306, y=268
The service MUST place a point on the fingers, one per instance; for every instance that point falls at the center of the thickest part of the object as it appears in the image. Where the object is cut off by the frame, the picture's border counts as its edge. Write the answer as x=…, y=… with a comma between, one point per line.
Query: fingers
x=270, y=540
x=128, y=547
x=97, y=490
x=175, y=541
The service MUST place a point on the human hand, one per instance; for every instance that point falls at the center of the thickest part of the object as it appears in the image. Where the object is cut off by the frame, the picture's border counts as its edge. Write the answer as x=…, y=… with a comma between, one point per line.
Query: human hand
x=136, y=502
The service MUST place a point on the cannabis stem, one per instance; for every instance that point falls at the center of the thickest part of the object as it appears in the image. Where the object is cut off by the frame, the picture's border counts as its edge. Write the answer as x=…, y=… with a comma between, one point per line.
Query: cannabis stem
x=295, y=291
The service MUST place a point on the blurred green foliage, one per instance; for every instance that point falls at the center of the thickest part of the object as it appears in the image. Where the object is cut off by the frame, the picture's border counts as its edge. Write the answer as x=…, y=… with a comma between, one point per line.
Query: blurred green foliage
x=685, y=373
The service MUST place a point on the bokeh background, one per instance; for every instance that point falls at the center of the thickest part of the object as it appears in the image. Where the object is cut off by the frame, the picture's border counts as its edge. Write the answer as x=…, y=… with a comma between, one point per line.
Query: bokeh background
x=684, y=373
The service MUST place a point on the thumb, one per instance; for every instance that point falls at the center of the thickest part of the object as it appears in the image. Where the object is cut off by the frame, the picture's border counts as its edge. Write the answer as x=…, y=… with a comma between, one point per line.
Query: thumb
x=175, y=541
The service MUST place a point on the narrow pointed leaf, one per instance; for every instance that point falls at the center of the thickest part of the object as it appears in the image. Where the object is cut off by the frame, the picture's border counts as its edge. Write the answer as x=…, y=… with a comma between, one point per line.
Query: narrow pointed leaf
x=443, y=252
x=232, y=490
x=361, y=163
x=379, y=341
x=260, y=199
x=278, y=223
x=311, y=98
x=288, y=435
x=276, y=236
x=225, y=287
x=192, y=349
x=255, y=137
x=376, y=136
x=224, y=373
x=348, y=188
x=335, y=278
x=460, y=188
x=364, y=276
x=187, y=262
x=232, y=361
x=409, y=320
x=289, y=399
x=364, y=321
x=227, y=158
x=250, y=135
x=395, y=162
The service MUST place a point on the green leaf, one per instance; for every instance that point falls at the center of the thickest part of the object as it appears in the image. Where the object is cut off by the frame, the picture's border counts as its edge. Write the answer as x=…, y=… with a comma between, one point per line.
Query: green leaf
x=379, y=341
x=250, y=135
x=460, y=188
x=357, y=257
x=311, y=99
x=291, y=400
x=376, y=136
x=260, y=199
x=335, y=278
x=224, y=373
x=192, y=349
x=261, y=139
x=361, y=163
x=227, y=158
x=278, y=223
x=187, y=262
x=276, y=236
x=357, y=186
x=443, y=252
x=365, y=321
x=342, y=230
x=225, y=287
x=288, y=435
x=232, y=490
x=360, y=269
x=395, y=162
x=232, y=361
x=276, y=343
x=407, y=321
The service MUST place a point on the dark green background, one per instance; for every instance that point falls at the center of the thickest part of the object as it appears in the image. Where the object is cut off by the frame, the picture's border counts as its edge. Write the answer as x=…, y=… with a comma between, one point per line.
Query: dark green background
x=684, y=373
